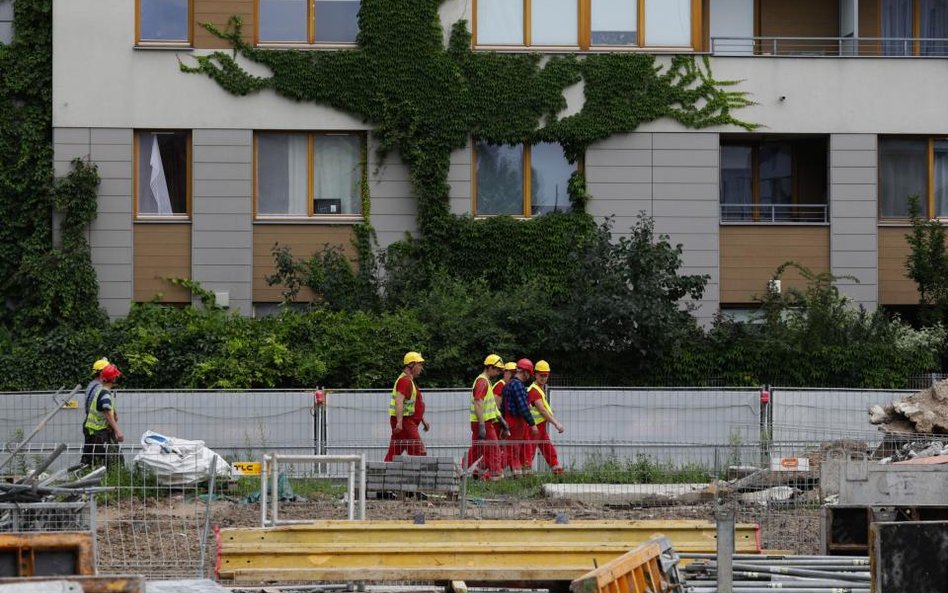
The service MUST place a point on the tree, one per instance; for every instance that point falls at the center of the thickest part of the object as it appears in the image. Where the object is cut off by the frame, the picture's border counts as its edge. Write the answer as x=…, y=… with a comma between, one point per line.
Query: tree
x=927, y=264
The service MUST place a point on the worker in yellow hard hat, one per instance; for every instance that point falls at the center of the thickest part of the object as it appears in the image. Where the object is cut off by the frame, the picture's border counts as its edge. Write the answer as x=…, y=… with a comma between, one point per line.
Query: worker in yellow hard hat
x=503, y=430
x=484, y=452
x=406, y=410
x=542, y=417
x=96, y=381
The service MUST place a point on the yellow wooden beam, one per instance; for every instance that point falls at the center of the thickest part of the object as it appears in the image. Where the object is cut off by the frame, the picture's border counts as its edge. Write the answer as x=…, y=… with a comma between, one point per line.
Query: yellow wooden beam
x=450, y=550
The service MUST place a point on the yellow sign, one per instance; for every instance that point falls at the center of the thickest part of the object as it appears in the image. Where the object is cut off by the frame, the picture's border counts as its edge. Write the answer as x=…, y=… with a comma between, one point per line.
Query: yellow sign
x=246, y=468
x=71, y=404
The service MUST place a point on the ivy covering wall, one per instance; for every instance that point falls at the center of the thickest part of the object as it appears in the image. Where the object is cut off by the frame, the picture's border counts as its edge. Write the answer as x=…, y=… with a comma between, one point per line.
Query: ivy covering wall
x=42, y=286
x=425, y=99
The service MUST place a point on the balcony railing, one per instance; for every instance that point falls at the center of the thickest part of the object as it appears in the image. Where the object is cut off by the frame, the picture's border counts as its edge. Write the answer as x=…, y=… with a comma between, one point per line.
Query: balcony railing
x=774, y=213
x=846, y=47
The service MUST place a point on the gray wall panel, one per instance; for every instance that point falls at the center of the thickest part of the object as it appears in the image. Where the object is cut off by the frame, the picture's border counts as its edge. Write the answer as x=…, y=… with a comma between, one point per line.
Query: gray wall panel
x=619, y=174
x=111, y=136
x=222, y=155
x=687, y=141
x=110, y=233
x=619, y=157
x=72, y=136
x=222, y=239
x=854, y=234
x=617, y=191
x=394, y=206
x=220, y=188
x=703, y=174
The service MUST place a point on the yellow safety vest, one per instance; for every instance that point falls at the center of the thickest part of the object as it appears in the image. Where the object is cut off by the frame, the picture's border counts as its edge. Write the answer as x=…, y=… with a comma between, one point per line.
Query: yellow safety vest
x=537, y=416
x=95, y=420
x=489, y=409
x=408, y=407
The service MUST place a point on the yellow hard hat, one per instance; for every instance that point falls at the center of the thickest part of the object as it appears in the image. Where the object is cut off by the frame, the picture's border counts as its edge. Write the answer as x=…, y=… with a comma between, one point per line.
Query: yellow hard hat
x=493, y=360
x=100, y=364
x=510, y=366
x=542, y=367
x=411, y=357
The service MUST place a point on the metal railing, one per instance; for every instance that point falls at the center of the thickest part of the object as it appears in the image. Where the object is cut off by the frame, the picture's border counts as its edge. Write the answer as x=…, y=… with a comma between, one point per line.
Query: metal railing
x=774, y=213
x=836, y=47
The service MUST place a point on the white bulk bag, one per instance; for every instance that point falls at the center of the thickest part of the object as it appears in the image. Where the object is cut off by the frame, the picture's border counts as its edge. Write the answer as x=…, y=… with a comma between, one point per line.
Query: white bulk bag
x=178, y=462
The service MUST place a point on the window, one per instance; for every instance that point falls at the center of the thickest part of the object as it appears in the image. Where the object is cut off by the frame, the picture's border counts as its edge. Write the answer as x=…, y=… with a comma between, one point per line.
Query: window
x=915, y=27
x=913, y=167
x=164, y=21
x=300, y=175
x=6, y=21
x=163, y=173
x=307, y=21
x=587, y=23
x=779, y=179
x=521, y=180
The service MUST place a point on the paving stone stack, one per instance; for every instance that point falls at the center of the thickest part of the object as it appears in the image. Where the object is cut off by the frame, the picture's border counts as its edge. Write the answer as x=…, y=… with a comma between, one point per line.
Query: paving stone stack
x=408, y=474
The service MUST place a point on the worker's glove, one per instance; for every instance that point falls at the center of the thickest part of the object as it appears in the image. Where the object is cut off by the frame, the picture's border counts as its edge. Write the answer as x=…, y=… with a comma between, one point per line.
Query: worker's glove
x=481, y=431
x=504, y=427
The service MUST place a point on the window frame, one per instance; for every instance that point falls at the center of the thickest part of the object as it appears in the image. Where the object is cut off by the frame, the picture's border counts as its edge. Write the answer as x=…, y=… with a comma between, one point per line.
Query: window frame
x=311, y=215
x=584, y=32
x=189, y=42
x=756, y=144
x=310, y=30
x=526, y=185
x=136, y=137
x=929, y=200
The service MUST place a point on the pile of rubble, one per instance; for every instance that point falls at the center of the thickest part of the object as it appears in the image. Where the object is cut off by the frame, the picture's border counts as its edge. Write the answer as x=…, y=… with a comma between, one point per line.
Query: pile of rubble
x=923, y=412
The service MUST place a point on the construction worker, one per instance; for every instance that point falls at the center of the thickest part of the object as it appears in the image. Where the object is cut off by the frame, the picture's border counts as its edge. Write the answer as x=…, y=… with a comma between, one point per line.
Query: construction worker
x=96, y=381
x=517, y=415
x=542, y=417
x=100, y=428
x=503, y=431
x=406, y=410
x=485, y=449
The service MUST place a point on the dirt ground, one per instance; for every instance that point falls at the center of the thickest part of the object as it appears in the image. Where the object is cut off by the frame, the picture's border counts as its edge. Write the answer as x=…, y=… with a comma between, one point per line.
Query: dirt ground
x=162, y=537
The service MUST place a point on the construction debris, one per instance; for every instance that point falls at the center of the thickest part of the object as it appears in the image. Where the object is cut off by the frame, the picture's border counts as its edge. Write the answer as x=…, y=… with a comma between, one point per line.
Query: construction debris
x=923, y=412
x=754, y=573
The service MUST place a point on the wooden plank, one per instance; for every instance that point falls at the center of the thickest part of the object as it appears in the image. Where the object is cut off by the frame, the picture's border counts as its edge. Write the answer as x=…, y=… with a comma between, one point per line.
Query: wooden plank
x=303, y=240
x=162, y=250
x=489, y=551
x=895, y=288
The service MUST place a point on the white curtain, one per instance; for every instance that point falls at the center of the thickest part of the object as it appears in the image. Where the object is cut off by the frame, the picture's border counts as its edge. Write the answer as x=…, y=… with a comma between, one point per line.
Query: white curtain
x=500, y=22
x=554, y=22
x=935, y=26
x=897, y=25
x=282, y=174
x=614, y=22
x=668, y=23
x=941, y=178
x=904, y=173
x=339, y=171
x=153, y=195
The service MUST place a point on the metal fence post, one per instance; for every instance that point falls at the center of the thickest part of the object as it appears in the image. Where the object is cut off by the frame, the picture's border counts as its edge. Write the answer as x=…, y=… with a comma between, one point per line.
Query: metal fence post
x=724, y=517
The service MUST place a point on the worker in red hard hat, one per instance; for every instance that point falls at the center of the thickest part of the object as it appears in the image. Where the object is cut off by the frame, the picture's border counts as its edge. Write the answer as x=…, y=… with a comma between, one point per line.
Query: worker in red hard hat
x=516, y=411
x=100, y=428
x=542, y=417
x=502, y=429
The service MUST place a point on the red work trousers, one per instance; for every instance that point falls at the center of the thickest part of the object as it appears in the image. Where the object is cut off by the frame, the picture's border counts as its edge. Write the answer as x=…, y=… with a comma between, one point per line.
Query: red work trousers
x=488, y=449
x=544, y=444
x=407, y=440
x=519, y=435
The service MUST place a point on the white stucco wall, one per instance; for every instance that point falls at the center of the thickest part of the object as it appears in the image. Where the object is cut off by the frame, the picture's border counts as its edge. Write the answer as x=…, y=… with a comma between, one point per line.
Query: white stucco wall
x=100, y=80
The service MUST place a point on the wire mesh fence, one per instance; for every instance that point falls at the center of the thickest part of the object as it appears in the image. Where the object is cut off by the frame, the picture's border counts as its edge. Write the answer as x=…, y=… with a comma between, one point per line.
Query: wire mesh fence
x=627, y=454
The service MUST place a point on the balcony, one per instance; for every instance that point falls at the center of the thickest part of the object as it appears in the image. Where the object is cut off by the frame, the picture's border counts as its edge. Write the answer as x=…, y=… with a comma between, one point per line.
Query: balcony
x=836, y=47
x=743, y=213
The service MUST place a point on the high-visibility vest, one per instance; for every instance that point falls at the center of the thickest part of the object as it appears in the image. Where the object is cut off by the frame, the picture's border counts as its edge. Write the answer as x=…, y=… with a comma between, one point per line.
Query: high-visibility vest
x=537, y=416
x=95, y=420
x=408, y=407
x=489, y=410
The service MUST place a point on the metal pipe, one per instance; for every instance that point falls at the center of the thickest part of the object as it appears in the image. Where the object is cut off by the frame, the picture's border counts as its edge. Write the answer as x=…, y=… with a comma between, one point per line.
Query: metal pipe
x=45, y=464
x=801, y=572
x=362, y=479
x=264, y=468
x=207, y=516
x=725, y=549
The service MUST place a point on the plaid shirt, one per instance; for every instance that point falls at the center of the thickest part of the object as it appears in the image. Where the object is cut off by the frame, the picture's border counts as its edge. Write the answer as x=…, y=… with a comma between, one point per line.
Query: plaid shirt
x=516, y=402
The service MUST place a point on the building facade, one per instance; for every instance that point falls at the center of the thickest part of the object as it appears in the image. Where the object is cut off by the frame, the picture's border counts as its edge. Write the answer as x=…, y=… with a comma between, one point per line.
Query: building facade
x=200, y=184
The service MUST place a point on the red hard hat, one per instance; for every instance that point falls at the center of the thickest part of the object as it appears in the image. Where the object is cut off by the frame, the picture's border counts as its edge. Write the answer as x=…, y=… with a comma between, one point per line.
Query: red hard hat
x=110, y=373
x=525, y=364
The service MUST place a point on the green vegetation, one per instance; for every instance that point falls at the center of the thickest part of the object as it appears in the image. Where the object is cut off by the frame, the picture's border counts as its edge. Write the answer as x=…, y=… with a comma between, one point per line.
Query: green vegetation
x=559, y=286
